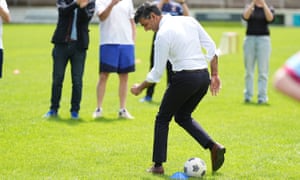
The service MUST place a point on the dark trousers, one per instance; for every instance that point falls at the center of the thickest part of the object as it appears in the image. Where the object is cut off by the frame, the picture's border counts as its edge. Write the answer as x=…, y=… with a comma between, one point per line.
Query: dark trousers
x=150, y=89
x=180, y=99
x=62, y=54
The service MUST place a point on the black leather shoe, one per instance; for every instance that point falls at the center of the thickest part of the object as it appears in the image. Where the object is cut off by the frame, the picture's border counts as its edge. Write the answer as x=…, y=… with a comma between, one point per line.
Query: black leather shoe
x=156, y=170
x=217, y=156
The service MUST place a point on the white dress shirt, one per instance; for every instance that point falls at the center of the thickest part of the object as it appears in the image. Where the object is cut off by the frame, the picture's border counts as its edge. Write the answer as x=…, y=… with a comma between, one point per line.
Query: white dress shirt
x=182, y=41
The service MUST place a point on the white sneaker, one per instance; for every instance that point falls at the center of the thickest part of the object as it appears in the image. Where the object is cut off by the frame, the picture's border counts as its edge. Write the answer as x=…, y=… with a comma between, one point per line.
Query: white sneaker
x=97, y=113
x=123, y=113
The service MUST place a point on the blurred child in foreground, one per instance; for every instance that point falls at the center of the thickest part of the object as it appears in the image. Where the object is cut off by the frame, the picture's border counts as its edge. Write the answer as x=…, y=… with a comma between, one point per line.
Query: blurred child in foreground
x=287, y=77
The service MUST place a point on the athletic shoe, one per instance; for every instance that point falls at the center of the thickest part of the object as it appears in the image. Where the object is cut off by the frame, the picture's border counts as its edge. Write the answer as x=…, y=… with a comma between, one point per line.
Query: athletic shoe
x=146, y=99
x=74, y=115
x=50, y=114
x=262, y=102
x=247, y=100
x=123, y=113
x=97, y=113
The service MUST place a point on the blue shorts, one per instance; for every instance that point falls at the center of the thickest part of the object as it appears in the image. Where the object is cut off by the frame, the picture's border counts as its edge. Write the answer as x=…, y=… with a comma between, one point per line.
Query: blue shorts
x=116, y=58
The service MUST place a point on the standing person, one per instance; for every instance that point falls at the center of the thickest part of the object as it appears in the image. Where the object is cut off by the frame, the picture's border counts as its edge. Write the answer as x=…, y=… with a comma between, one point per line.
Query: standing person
x=287, y=77
x=257, y=48
x=5, y=17
x=173, y=8
x=180, y=40
x=71, y=40
x=116, y=51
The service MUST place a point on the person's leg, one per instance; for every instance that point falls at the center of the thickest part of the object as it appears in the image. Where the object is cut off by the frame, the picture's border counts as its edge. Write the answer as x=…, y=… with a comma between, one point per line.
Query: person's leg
x=101, y=87
x=123, y=85
x=149, y=93
x=77, y=69
x=126, y=64
x=161, y=127
x=263, y=58
x=182, y=88
x=107, y=63
x=200, y=83
x=123, y=81
x=150, y=89
x=183, y=115
x=60, y=60
x=249, y=64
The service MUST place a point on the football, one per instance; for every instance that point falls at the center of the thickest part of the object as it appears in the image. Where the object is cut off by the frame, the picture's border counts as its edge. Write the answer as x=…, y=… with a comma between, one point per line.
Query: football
x=195, y=167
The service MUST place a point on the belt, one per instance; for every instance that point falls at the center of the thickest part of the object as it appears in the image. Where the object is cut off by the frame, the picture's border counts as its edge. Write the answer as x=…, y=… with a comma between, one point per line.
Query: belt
x=72, y=41
x=191, y=71
x=69, y=40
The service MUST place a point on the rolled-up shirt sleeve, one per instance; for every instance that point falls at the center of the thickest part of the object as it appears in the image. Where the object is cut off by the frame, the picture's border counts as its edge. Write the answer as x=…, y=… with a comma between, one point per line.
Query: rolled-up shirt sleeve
x=207, y=43
x=161, y=55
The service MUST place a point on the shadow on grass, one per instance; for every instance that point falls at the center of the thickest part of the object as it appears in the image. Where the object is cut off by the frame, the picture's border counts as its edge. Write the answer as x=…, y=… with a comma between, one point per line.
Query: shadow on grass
x=74, y=122
x=214, y=175
x=155, y=103
x=68, y=121
x=162, y=176
x=256, y=104
x=109, y=120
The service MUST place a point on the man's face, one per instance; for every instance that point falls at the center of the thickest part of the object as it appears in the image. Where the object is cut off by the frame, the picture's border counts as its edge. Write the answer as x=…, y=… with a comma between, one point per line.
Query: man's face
x=150, y=23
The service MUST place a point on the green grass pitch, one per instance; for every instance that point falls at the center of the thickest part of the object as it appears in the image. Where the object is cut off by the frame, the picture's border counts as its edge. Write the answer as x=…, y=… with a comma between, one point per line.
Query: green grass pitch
x=262, y=141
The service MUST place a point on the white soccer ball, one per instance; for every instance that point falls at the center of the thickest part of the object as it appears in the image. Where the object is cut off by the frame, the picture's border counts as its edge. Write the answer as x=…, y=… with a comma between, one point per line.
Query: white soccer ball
x=195, y=167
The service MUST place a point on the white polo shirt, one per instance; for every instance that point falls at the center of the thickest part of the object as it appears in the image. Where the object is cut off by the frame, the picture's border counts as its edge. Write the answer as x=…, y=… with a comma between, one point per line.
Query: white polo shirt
x=116, y=28
x=181, y=40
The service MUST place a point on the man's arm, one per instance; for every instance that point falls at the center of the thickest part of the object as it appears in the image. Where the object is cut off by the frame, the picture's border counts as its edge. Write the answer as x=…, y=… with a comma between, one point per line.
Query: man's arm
x=133, y=27
x=268, y=12
x=4, y=15
x=64, y=8
x=136, y=89
x=89, y=9
x=215, y=84
x=103, y=15
x=248, y=10
x=184, y=6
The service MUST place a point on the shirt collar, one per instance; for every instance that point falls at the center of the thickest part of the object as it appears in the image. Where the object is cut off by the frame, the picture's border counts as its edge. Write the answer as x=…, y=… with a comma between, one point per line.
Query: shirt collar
x=163, y=19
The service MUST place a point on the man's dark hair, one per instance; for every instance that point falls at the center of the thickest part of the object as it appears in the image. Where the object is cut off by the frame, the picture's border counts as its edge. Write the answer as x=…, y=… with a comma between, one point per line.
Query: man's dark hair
x=145, y=10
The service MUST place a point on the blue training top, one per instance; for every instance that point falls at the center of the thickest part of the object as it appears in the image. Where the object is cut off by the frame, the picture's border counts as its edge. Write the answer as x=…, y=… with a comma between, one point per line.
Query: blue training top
x=172, y=8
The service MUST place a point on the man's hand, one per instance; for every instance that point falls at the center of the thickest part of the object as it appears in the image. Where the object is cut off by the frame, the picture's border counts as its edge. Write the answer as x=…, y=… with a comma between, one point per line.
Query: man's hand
x=164, y=1
x=82, y=3
x=215, y=85
x=180, y=1
x=135, y=89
